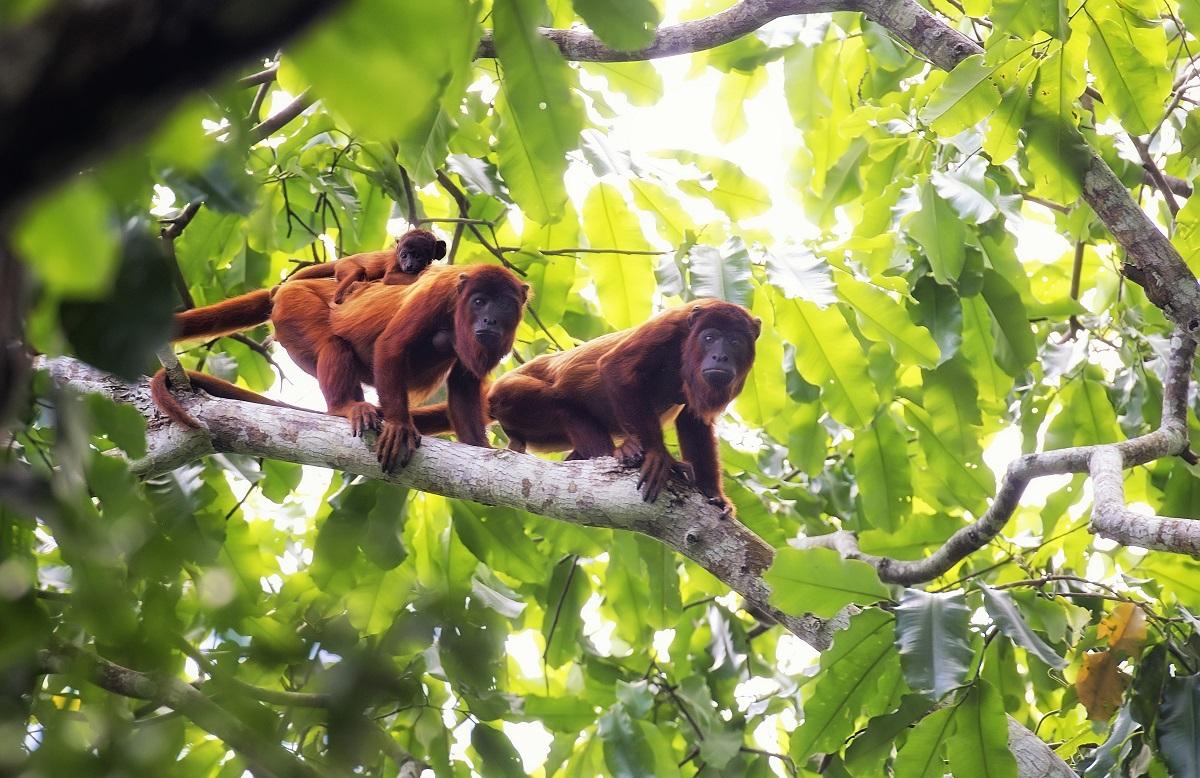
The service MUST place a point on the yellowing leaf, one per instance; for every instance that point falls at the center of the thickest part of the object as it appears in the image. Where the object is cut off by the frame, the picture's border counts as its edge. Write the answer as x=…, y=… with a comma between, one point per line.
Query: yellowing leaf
x=1124, y=629
x=1100, y=685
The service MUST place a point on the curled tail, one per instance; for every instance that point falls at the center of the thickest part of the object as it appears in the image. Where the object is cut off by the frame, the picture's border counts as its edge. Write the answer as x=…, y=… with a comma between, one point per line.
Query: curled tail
x=160, y=391
x=225, y=317
x=432, y=419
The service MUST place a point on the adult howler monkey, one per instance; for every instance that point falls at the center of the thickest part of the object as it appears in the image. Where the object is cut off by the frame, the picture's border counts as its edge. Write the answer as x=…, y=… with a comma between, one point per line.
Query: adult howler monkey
x=687, y=363
x=413, y=252
x=453, y=324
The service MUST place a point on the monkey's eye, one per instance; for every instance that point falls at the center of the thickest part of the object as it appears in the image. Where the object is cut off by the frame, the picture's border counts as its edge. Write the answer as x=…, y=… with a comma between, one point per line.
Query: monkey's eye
x=708, y=338
x=403, y=255
x=478, y=302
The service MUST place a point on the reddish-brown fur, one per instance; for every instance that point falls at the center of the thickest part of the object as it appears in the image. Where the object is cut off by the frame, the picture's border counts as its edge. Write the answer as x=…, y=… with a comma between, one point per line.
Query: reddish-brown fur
x=404, y=340
x=628, y=384
x=399, y=265
x=160, y=390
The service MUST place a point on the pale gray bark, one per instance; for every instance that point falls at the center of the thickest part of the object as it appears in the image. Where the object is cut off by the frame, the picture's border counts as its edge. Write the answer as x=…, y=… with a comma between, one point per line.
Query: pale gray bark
x=1034, y=757
x=594, y=493
x=1105, y=462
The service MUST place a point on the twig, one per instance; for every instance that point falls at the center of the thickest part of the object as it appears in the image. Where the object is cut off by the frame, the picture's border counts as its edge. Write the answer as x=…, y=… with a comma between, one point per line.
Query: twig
x=1076, y=274
x=273, y=124
x=569, y=251
x=410, y=198
x=173, y=229
x=264, y=76
x=1156, y=175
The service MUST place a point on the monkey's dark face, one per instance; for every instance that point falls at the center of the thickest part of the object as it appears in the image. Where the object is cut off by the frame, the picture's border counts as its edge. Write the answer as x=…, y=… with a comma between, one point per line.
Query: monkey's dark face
x=417, y=250
x=494, y=315
x=725, y=353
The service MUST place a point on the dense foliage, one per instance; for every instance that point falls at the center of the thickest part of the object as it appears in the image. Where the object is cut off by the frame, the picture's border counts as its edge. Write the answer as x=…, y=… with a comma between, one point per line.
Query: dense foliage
x=930, y=316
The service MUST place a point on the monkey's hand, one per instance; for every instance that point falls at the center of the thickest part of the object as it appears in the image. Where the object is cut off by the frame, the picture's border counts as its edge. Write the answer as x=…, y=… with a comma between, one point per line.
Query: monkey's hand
x=363, y=416
x=630, y=453
x=722, y=502
x=657, y=468
x=396, y=444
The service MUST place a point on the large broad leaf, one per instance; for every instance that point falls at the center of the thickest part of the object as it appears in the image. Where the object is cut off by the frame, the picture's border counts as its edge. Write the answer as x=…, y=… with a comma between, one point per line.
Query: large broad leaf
x=1004, y=612
x=627, y=595
x=979, y=745
x=933, y=638
x=625, y=283
x=496, y=536
x=967, y=95
x=627, y=754
x=640, y=82
x=662, y=582
x=1015, y=347
x=726, y=186
x=798, y=272
x=1058, y=156
x=668, y=214
x=884, y=319
x=923, y=752
x=70, y=239
x=729, y=112
x=377, y=65
x=562, y=625
x=497, y=757
x=379, y=598
x=828, y=357
x=819, y=581
x=1101, y=684
x=764, y=395
x=882, y=473
x=722, y=273
x=626, y=25
x=1129, y=60
x=854, y=674
x=540, y=115
x=940, y=232
x=1179, y=725
x=948, y=431
x=975, y=197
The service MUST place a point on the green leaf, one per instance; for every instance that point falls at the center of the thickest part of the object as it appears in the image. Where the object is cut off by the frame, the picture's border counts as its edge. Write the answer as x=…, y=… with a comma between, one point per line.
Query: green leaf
x=662, y=582
x=1015, y=347
x=377, y=65
x=937, y=228
x=70, y=240
x=638, y=81
x=279, y=479
x=933, y=638
x=496, y=536
x=120, y=423
x=949, y=435
x=1129, y=62
x=624, y=283
x=1058, y=155
x=673, y=222
x=627, y=754
x=882, y=473
x=939, y=311
x=726, y=187
x=722, y=274
x=819, y=581
x=828, y=356
x=540, y=115
x=974, y=196
x=1004, y=125
x=979, y=745
x=379, y=597
x=626, y=590
x=884, y=319
x=861, y=663
x=626, y=25
x=923, y=753
x=1004, y=612
x=1179, y=725
x=764, y=395
x=967, y=95
x=497, y=757
x=729, y=112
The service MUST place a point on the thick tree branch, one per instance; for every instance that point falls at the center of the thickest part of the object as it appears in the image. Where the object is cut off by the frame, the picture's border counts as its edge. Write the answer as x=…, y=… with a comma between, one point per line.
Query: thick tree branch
x=265, y=756
x=1105, y=462
x=114, y=69
x=594, y=493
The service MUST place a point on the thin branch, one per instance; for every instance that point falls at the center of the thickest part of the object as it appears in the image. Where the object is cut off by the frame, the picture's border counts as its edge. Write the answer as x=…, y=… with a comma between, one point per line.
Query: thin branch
x=173, y=229
x=273, y=124
x=1076, y=276
x=1156, y=175
x=265, y=756
x=1104, y=462
x=570, y=251
x=735, y=22
x=264, y=76
x=596, y=492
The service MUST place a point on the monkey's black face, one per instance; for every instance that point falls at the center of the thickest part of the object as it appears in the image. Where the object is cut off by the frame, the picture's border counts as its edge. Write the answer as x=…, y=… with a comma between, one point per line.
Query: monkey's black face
x=725, y=353
x=417, y=250
x=494, y=316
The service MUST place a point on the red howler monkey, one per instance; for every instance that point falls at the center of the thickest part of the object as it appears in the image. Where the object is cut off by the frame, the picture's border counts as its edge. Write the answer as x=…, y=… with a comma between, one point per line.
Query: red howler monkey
x=453, y=324
x=413, y=252
x=686, y=363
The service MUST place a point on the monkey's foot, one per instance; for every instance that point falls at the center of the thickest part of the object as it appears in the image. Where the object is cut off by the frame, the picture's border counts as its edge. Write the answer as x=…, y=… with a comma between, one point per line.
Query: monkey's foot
x=362, y=416
x=630, y=453
x=657, y=468
x=396, y=445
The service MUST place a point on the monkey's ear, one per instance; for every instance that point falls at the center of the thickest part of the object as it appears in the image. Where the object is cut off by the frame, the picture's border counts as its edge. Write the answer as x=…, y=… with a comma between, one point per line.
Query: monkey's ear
x=462, y=281
x=439, y=249
x=524, y=293
x=757, y=327
x=694, y=315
